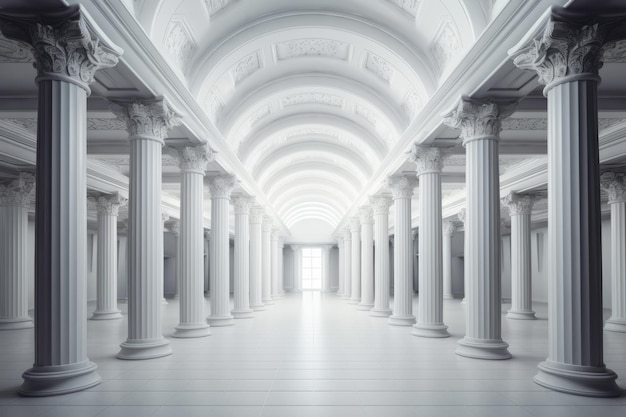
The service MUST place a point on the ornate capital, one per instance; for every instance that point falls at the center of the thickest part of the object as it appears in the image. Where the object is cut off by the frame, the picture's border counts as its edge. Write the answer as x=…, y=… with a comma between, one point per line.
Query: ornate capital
x=365, y=215
x=275, y=234
x=402, y=186
x=449, y=228
x=427, y=158
x=18, y=192
x=478, y=118
x=242, y=205
x=220, y=186
x=108, y=204
x=381, y=204
x=614, y=185
x=462, y=215
x=207, y=234
x=519, y=203
x=193, y=158
x=355, y=224
x=268, y=222
x=147, y=119
x=164, y=216
x=347, y=235
x=175, y=227
x=65, y=46
x=256, y=214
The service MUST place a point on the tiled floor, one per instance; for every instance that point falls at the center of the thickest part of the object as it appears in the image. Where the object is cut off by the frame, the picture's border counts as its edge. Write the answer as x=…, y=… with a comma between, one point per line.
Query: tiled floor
x=311, y=354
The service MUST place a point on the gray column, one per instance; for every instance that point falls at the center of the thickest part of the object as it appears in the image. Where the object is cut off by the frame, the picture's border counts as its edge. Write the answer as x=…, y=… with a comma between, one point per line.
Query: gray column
x=339, y=238
x=449, y=229
x=266, y=259
x=281, y=267
x=480, y=122
x=567, y=58
x=207, y=261
x=326, y=268
x=15, y=198
x=367, y=258
x=380, y=206
x=347, y=263
x=242, y=206
x=256, y=252
x=220, y=187
x=274, y=262
x=297, y=268
x=67, y=54
x=355, y=259
x=462, y=216
x=175, y=230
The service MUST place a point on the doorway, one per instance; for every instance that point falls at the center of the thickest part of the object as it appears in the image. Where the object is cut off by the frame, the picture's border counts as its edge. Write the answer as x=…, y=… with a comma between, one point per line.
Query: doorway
x=312, y=269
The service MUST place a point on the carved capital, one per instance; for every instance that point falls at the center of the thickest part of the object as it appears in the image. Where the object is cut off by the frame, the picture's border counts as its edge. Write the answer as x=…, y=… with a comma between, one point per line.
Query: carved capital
x=462, y=215
x=108, y=204
x=242, y=205
x=275, y=234
x=355, y=224
x=193, y=158
x=65, y=45
x=427, y=158
x=207, y=234
x=614, y=185
x=347, y=235
x=220, y=186
x=478, y=118
x=449, y=228
x=381, y=204
x=268, y=222
x=256, y=214
x=519, y=204
x=18, y=192
x=366, y=215
x=402, y=186
x=175, y=228
x=146, y=119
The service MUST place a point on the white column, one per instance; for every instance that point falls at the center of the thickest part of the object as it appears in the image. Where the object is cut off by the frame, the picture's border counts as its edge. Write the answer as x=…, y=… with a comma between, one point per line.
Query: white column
x=67, y=55
x=355, y=259
x=402, y=189
x=480, y=123
x=297, y=268
x=281, y=267
x=256, y=276
x=520, y=208
x=339, y=238
x=107, y=207
x=189, y=258
x=449, y=229
x=15, y=198
x=326, y=268
x=207, y=261
x=220, y=187
x=615, y=187
x=367, y=258
x=274, y=263
x=174, y=228
x=266, y=260
x=462, y=216
x=242, y=292
x=380, y=206
x=347, y=263
x=567, y=57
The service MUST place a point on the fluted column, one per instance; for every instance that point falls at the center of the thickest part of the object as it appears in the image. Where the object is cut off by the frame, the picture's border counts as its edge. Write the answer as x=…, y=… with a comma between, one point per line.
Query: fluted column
x=274, y=262
x=462, y=216
x=449, y=229
x=174, y=228
x=67, y=52
x=107, y=207
x=220, y=187
x=347, y=263
x=380, y=206
x=190, y=266
x=326, y=268
x=402, y=189
x=242, y=292
x=567, y=58
x=339, y=238
x=256, y=276
x=480, y=123
x=355, y=259
x=15, y=198
x=266, y=259
x=615, y=187
x=520, y=208
x=281, y=267
x=367, y=258
x=297, y=268
x=207, y=261
x=147, y=122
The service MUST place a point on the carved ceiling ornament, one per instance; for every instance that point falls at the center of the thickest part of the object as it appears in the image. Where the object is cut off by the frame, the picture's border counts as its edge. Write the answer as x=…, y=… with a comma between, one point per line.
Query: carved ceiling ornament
x=614, y=185
x=366, y=215
x=296, y=48
x=19, y=191
x=408, y=6
x=63, y=48
x=402, y=186
x=212, y=105
x=245, y=67
x=220, y=186
x=519, y=204
x=146, y=118
x=242, y=204
x=412, y=104
x=215, y=6
x=428, y=159
x=179, y=42
x=478, y=118
x=446, y=45
x=312, y=98
x=379, y=67
x=380, y=204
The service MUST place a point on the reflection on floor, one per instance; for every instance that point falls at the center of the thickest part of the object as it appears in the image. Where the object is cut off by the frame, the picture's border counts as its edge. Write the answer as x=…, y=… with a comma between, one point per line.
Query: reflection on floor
x=311, y=354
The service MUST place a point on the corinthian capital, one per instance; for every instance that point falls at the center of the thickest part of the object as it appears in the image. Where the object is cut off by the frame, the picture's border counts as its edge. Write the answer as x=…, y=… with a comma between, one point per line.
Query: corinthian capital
x=347, y=235
x=220, y=186
x=402, y=186
x=256, y=214
x=149, y=119
x=462, y=215
x=478, y=118
x=108, y=204
x=614, y=185
x=18, y=192
x=65, y=45
x=355, y=224
x=193, y=158
x=381, y=204
x=427, y=158
x=242, y=205
x=268, y=222
x=519, y=204
x=365, y=215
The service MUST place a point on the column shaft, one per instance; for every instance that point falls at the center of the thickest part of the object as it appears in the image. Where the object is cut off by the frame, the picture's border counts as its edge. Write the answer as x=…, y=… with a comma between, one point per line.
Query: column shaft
x=355, y=259
x=347, y=263
x=381, y=264
x=274, y=264
x=617, y=321
x=242, y=258
x=448, y=232
x=256, y=283
x=367, y=259
x=266, y=260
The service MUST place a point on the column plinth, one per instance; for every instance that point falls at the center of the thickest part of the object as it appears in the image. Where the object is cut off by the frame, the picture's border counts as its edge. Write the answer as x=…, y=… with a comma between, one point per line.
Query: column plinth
x=355, y=259
x=380, y=206
x=266, y=260
x=242, y=292
x=256, y=279
x=367, y=259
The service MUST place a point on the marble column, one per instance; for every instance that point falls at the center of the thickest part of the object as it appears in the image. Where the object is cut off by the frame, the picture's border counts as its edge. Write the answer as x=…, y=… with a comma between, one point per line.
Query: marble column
x=449, y=228
x=480, y=124
x=326, y=267
x=256, y=276
x=614, y=184
x=347, y=263
x=175, y=230
x=107, y=207
x=67, y=51
x=266, y=260
x=567, y=57
x=242, y=206
x=189, y=258
x=220, y=187
x=355, y=259
x=367, y=258
x=207, y=261
x=297, y=268
x=15, y=199
x=462, y=216
x=520, y=208
x=402, y=189
x=281, y=267
x=339, y=238
x=274, y=262
x=380, y=206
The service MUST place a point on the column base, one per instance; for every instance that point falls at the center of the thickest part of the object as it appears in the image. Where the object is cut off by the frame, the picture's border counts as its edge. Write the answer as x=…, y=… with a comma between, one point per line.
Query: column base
x=259, y=307
x=242, y=314
x=16, y=323
x=138, y=349
x=615, y=325
x=220, y=321
x=106, y=315
x=396, y=320
x=521, y=315
x=44, y=381
x=463, y=301
x=365, y=306
x=491, y=349
x=448, y=297
x=353, y=300
x=430, y=330
x=191, y=330
x=268, y=302
x=380, y=312
x=578, y=380
x=164, y=301
x=345, y=297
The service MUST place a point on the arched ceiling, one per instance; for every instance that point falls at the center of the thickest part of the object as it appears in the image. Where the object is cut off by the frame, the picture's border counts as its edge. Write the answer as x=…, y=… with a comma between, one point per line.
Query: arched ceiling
x=311, y=95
